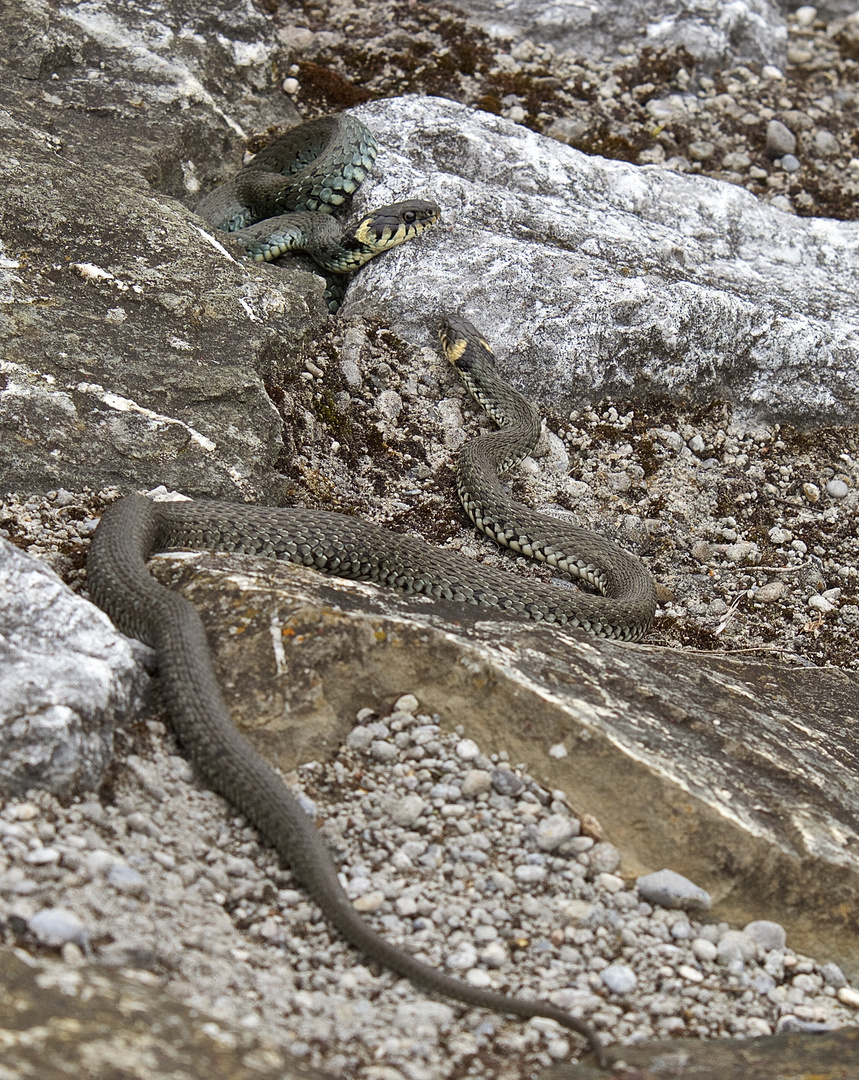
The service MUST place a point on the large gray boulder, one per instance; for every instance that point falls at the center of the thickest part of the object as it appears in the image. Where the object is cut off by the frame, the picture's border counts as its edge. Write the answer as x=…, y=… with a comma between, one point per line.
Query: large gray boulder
x=136, y=345
x=595, y=278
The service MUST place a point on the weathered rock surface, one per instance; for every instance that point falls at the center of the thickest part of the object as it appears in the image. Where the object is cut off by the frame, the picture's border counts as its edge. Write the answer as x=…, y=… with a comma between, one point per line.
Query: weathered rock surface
x=138, y=348
x=595, y=277
x=716, y=33
x=57, y=1020
x=66, y=679
x=829, y=1056
x=741, y=774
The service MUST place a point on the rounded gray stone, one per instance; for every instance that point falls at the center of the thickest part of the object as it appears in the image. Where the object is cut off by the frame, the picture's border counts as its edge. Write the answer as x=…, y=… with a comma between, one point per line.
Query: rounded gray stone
x=736, y=945
x=669, y=889
x=126, y=879
x=825, y=143
x=58, y=926
x=476, y=782
x=603, y=858
x=407, y=810
x=506, y=782
x=837, y=489
x=619, y=978
x=553, y=831
x=833, y=976
x=530, y=875
x=769, y=935
x=780, y=139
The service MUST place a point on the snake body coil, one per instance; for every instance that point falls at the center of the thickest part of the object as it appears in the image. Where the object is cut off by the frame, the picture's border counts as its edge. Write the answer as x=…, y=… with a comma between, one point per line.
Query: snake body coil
x=282, y=201
x=119, y=582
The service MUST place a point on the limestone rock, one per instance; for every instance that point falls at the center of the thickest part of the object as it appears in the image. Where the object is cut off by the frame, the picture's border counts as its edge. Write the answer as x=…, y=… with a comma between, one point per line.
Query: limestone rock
x=716, y=32
x=828, y=1056
x=58, y=1021
x=67, y=677
x=137, y=346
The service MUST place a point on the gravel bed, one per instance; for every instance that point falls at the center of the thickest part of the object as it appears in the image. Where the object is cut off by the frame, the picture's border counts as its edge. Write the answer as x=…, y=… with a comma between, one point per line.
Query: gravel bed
x=459, y=856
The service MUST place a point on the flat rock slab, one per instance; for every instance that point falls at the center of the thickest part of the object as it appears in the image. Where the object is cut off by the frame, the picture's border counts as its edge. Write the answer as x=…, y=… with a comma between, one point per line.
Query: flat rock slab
x=58, y=1021
x=739, y=773
x=832, y=1055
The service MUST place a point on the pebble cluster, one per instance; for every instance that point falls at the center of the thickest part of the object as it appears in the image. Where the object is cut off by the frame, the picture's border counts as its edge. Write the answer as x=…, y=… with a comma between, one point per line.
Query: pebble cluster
x=788, y=136
x=457, y=855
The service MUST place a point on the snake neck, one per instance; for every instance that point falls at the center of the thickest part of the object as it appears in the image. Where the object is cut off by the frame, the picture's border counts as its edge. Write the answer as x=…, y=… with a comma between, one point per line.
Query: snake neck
x=517, y=418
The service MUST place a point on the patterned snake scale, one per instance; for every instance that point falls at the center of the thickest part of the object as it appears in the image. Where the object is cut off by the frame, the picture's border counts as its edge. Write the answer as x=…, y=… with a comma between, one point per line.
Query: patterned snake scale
x=135, y=527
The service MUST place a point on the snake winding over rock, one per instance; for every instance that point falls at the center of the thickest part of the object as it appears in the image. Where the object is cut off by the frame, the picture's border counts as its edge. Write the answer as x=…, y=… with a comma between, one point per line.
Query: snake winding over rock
x=135, y=527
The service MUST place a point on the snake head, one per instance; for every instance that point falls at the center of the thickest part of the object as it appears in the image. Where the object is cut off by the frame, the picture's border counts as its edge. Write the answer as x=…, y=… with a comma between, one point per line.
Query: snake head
x=463, y=344
x=392, y=225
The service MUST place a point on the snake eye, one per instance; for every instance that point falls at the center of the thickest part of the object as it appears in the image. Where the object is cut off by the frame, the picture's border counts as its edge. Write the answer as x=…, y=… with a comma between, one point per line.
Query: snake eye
x=409, y=216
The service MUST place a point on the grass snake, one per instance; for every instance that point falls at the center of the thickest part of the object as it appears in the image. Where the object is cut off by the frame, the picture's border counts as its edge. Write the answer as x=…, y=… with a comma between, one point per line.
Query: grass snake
x=135, y=527
x=283, y=200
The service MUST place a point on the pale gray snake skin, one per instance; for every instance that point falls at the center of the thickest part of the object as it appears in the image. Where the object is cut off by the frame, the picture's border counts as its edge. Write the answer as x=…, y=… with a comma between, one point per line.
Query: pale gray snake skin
x=135, y=527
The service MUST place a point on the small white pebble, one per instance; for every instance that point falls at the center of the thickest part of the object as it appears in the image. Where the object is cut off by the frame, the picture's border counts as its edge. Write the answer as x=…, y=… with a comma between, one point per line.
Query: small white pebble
x=369, y=902
x=837, y=489
x=848, y=996
x=290, y=86
x=467, y=749
x=57, y=926
x=530, y=874
x=99, y=861
x=407, y=810
x=42, y=856
x=619, y=978
x=769, y=593
x=610, y=882
x=757, y=1026
x=819, y=603
x=408, y=703
x=558, y=750
x=476, y=782
x=704, y=950
x=691, y=974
